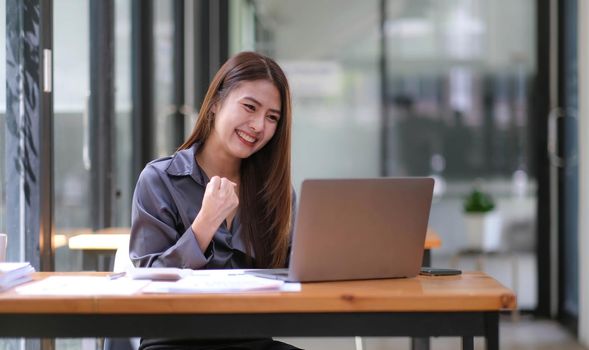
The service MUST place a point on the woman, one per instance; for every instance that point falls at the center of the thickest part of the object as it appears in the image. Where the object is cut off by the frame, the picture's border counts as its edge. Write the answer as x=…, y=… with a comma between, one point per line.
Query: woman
x=224, y=199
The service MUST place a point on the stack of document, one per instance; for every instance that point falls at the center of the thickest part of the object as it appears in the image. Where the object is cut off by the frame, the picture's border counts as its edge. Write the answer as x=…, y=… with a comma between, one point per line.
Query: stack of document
x=13, y=274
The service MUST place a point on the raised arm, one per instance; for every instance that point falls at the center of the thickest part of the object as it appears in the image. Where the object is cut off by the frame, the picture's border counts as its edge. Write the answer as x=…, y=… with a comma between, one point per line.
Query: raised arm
x=158, y=238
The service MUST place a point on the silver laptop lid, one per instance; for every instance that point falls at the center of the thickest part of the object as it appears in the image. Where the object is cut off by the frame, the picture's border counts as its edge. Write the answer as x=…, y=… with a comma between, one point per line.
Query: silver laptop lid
x=360, y=228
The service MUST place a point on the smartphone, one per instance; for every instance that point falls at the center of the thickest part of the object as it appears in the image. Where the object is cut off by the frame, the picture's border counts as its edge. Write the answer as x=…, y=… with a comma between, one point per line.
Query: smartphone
x=433, y=271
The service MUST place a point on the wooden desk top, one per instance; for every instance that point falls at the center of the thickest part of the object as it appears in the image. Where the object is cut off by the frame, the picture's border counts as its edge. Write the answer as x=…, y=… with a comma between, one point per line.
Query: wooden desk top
x=472, y=291
x=98, y=241
x=106, y=239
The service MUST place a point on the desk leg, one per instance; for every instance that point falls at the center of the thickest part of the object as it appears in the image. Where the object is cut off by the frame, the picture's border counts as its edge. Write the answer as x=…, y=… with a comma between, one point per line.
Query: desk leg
x=420, y=343
x=89, y=260
x=492, y=330
x=427, y=258
x=467, y=343
x=97, y=260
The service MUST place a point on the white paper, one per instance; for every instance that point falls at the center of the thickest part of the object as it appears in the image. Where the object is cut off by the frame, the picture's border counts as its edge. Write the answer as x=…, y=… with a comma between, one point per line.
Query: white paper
x=158, y=273
x=291, y=287
x=82, y=285
x=219, y=273
x=216, y=282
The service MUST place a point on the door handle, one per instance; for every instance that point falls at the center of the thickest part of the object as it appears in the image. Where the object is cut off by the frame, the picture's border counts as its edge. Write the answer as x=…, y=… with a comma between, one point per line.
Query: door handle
x=567, y=160
x=86, y=159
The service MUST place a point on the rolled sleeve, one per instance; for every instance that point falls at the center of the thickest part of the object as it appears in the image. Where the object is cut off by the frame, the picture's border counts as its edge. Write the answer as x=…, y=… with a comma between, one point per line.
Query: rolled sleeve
x=155, y=240
x=186, y=253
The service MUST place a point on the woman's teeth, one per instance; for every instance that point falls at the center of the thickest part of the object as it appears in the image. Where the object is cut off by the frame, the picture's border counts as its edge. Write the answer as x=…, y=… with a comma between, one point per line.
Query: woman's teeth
x=246, y=136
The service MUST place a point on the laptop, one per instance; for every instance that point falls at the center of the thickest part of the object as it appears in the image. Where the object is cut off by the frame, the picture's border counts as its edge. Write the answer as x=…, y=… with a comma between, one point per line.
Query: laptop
x=350, y=229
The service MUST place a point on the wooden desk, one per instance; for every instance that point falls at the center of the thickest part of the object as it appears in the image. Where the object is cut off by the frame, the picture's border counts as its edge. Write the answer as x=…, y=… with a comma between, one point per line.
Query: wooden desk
x=464, y=306
x=98, y=241
x=106, y=242
x=112, y=238
x=100, y=244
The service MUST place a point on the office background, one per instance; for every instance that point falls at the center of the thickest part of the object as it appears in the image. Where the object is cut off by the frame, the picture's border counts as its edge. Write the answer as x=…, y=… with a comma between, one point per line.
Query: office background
x=461, y=90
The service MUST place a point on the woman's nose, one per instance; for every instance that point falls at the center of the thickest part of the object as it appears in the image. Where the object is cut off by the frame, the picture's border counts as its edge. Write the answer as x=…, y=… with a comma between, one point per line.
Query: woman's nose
x=257, y=123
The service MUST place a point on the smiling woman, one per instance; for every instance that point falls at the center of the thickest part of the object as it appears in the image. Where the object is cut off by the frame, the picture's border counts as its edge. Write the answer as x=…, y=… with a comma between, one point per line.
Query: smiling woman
x=248, y=115
x=224, y=199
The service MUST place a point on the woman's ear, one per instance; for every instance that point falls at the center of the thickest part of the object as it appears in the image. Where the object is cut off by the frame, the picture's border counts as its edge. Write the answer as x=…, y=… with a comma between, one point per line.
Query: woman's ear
x=215, y=107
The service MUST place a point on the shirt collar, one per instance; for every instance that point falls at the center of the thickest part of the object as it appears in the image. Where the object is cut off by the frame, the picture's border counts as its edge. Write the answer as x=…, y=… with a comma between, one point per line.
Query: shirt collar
x=184, y=164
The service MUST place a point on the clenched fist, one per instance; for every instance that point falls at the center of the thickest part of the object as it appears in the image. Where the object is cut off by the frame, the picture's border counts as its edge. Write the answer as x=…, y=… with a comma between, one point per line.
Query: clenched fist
x=219, y=201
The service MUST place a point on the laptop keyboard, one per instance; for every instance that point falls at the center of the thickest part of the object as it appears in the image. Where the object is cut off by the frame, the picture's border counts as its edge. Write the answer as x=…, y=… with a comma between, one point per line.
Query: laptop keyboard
x=276, y=272
x=279, y=273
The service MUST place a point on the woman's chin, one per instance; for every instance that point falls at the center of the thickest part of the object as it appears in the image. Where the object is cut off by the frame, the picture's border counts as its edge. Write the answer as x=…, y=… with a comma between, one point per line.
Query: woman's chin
x=243, y=152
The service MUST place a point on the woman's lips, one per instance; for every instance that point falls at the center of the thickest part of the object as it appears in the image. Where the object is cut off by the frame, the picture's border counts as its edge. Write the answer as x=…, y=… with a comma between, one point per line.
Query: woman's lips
x=246, y=138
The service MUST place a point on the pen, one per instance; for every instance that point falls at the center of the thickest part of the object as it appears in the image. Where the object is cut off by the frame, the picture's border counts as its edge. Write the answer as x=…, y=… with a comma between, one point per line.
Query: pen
x=114, y=276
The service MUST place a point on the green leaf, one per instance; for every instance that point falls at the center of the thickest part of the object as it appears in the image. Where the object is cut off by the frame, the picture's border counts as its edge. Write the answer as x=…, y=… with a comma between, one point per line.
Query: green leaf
x=478, y=202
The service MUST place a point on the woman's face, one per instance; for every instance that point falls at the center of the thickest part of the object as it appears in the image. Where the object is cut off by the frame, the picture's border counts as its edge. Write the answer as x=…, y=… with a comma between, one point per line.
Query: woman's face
x=247, y=118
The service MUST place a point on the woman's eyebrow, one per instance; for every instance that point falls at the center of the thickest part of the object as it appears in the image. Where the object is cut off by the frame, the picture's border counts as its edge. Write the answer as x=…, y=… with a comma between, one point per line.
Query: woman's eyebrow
x=259, y=104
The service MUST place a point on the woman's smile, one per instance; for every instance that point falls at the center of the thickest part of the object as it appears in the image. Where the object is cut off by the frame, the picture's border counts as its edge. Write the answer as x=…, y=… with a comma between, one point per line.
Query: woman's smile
x=246, y=138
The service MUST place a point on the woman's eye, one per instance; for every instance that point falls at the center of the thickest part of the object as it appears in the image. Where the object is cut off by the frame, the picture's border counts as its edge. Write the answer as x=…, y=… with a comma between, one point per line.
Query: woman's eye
x=273, y=118
x=250, y=107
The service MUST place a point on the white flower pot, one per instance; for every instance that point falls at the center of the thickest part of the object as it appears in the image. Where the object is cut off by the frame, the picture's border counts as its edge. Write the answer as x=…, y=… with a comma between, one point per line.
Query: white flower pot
x=483, y=231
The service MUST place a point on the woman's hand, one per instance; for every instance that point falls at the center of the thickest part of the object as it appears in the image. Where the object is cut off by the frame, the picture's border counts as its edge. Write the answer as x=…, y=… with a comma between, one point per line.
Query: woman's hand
x=219, y=201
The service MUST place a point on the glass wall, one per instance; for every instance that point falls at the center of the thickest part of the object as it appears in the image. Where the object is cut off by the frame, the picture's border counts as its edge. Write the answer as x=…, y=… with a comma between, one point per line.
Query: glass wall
x=124, y=183
x=460, y=82
x=163, y=54
x=4, y=343
x=73, y=165
x=335, y=81
x=2, y=115
x=71, y=127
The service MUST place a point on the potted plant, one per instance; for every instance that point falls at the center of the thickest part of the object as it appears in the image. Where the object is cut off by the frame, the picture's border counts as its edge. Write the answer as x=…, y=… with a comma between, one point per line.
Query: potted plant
x=483, y=224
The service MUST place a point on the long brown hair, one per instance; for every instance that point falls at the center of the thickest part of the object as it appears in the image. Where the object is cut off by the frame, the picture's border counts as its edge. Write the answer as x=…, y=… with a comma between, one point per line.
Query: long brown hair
x=265, y=189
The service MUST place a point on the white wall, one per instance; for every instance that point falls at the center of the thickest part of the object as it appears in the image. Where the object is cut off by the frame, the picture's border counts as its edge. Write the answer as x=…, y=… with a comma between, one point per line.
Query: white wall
x=583, y=40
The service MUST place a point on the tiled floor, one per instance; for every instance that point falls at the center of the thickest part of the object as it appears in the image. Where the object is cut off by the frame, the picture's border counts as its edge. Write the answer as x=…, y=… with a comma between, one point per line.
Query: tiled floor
x=536, y=334
x=524, y=334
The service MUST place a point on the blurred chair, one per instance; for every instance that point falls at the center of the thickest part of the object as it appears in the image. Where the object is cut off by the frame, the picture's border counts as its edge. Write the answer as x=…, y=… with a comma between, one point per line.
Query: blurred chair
x=122, y=260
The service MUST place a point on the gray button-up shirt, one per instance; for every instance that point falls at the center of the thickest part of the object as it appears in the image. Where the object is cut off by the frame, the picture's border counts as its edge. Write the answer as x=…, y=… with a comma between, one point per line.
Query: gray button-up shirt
x=167, y=198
